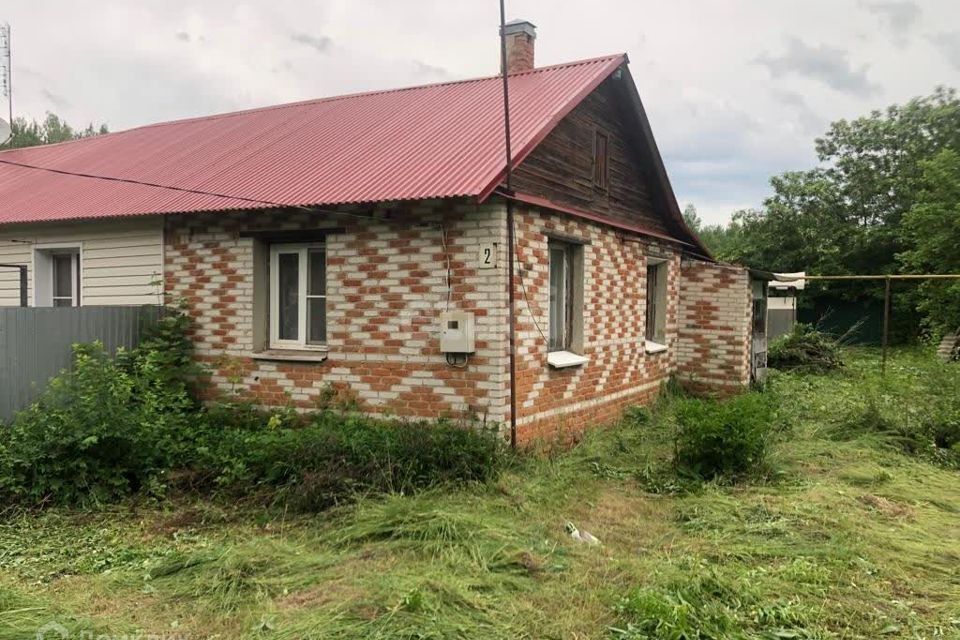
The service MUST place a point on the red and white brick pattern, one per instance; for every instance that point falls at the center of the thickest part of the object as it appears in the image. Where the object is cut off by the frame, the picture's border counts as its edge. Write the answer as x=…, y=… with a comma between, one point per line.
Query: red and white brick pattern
x=388, y=283
x=559, y=403
x=715, y=312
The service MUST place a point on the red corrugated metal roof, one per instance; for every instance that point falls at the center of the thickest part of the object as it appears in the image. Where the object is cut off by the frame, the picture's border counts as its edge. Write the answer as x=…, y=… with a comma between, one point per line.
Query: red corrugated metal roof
x=435, y=141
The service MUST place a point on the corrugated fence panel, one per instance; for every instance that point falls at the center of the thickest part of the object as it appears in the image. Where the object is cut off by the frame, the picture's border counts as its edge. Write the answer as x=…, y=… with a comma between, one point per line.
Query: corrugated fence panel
x=37, y=344
x=780, y=322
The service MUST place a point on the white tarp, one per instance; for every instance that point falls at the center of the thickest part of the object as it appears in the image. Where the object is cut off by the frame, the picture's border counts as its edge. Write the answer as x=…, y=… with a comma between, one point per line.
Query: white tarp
x=795, y=280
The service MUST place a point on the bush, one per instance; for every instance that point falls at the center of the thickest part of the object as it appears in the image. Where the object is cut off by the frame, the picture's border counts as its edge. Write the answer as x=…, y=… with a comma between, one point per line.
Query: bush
x=722, y=439
x=111, y=427
x=103, y=429
x=336, y=456
x=805, y=348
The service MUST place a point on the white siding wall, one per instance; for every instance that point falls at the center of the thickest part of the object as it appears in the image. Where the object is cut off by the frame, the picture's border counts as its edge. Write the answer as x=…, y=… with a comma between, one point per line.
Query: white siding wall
x=121, y=260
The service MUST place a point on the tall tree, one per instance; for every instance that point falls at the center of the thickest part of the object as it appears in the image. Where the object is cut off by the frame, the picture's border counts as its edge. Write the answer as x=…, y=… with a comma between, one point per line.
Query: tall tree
x=720, y=239
x=932, y=232
x=847, y=216
x=52, y=129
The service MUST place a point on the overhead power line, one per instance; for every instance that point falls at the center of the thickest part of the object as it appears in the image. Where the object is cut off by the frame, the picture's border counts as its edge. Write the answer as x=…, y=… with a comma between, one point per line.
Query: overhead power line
x=143, y=183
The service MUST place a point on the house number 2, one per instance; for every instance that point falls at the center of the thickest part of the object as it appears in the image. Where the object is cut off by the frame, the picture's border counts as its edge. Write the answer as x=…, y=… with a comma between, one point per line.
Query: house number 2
x=488, y=255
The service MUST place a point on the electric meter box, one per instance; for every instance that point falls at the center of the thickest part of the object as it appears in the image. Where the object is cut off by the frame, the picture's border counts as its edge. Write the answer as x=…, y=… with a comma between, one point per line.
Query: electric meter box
x=456, y=332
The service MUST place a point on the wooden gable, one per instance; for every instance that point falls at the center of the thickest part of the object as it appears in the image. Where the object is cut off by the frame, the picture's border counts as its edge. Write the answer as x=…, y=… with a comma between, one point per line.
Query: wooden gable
x=562, y=168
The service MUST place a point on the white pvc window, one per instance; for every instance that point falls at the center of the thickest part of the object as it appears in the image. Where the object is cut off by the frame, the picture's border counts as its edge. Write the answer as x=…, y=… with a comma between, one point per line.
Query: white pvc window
x=298, y=296
x=57, y=277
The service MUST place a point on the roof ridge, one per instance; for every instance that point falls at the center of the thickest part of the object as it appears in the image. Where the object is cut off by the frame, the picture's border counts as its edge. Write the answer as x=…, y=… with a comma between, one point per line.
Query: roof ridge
x=374, y=92
x=346, y=96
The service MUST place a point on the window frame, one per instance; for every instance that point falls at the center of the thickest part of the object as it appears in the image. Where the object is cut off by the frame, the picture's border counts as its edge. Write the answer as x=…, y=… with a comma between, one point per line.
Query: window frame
x=44, y=274
x=74, y=280
x=302, y=250
x=655, y=319
x=571, y=338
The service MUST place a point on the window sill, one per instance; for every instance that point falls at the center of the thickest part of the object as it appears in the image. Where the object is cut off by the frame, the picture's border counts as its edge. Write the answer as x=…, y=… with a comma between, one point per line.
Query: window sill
x=564, y=359
x=654, y=347
x=292, y=355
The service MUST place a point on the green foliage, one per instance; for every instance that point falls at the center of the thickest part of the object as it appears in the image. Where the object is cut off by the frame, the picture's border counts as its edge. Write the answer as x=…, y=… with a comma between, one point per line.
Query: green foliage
x=722, y=439
x=52, y=129
x=807, y=349
x=720, y=239
x=930, y=431
x=102, y=429
x=884, y=199
x=932, y=226
x=336, y=456
x=707, y=606
x=111, y=427
x=857, y=541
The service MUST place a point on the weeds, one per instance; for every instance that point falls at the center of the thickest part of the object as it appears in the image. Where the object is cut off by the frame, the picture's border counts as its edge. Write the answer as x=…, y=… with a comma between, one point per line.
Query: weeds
x=115, y=427
x=726, y=439
x=857, y=540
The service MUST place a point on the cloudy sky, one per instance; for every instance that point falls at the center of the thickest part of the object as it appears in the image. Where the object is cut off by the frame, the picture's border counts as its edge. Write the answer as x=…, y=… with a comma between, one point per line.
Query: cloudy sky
x=736, y=89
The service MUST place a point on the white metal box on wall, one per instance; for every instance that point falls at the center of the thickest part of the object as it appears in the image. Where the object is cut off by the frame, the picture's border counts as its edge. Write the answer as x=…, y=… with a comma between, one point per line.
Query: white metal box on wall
x=457, y=332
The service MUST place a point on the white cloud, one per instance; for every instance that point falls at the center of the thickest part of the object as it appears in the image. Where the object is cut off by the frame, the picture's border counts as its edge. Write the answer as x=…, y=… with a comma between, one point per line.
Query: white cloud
x=722, y=122
x=829, y=65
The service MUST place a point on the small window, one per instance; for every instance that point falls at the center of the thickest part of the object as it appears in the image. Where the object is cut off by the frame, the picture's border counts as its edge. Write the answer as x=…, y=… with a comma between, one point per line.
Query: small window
x=298, y=295
x=57, y=282
x=66, y=279
x=656, y=318
x=601, y=168
x=566, y=297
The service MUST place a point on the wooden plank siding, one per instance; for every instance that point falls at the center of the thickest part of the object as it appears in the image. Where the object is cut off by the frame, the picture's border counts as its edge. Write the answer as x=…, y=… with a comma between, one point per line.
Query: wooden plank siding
x=561, y=167
x=121, y=260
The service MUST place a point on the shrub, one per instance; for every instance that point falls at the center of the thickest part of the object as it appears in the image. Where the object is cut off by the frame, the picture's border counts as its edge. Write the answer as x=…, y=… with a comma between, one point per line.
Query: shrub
x=805, y=348
x=114, y=426
x=104, y=428
x=336, y=456
x=96, y=433
x=722, y=439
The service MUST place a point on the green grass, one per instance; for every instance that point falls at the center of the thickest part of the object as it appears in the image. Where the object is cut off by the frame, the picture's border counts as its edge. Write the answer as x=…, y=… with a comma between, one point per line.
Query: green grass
x=841, y=538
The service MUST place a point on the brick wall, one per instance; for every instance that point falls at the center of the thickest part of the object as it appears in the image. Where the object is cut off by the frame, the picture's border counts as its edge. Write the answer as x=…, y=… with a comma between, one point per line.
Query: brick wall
x=387, y=285
x=560, y=403
x=713, y=354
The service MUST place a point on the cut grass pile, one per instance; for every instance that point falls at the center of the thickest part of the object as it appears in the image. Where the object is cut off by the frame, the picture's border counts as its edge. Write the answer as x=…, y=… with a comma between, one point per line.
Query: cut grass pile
x=844, y=538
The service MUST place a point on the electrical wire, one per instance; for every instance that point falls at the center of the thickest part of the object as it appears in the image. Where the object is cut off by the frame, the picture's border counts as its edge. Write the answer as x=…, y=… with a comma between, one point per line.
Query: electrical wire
x=201, y=192
x=214, y=194
x=452, y=361
x=446, y=255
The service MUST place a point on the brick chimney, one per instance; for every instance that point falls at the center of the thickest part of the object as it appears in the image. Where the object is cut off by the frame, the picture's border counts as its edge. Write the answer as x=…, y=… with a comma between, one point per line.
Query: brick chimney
x=521, y=36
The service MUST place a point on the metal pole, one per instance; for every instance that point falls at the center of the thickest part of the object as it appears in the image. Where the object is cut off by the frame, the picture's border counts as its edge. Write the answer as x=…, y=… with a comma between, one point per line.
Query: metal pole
x=886, y=327
x=10, y=76
x=902, y=276
x=511, y=330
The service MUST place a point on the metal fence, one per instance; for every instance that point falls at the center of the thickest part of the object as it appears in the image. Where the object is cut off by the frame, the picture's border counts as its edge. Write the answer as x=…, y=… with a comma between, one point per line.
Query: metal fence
x=37, y=343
